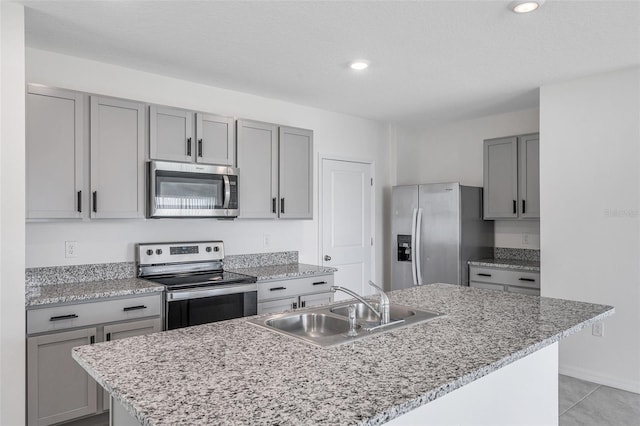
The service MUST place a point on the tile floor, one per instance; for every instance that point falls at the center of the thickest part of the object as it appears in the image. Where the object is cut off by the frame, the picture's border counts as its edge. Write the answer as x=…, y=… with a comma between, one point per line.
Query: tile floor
x=584, y=403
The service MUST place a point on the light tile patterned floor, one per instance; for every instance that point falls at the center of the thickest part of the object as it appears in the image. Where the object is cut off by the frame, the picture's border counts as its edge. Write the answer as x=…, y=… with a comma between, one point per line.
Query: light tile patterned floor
x=584, y=403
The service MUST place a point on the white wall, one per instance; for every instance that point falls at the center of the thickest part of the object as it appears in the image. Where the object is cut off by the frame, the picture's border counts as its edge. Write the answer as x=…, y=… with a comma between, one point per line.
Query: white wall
x=111, y=241
x=452, y=152
x=590, y=200
x=12, y=240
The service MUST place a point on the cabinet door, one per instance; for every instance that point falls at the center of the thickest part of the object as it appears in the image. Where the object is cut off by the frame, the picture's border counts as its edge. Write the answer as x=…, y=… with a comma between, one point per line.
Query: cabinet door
x=214, y=140
x=257, y=145
x=58, y=389
x=117, y=158
x=486, y=286
x=521, y=290
x=54, y=152
x=529, y=175
x=128, y=329
x=296, y=173
x=500, y=178
x=279, y=305
x=171, y=134
x=309, y=300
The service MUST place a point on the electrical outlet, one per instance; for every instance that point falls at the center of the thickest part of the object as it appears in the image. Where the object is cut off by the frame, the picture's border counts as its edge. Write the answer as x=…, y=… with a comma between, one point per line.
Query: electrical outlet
x=70, y=249
x=597, y=329
x=267, y=240
x=525, y=239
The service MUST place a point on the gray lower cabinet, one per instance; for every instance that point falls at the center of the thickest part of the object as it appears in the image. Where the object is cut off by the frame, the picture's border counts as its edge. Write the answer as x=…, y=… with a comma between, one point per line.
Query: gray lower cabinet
x=283, y=295
x=512, y=177
x=172, y=136
x=504, y=279
x=55, y=178
x=276, y=171
x=58, y=389
x=117, y=158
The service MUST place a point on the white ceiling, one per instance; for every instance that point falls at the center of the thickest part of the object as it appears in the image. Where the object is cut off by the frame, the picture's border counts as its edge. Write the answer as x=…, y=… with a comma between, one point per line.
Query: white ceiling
x=430, y=60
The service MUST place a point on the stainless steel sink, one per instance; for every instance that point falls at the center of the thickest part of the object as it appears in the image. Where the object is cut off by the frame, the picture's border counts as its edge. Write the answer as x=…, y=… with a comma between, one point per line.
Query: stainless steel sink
x=328, y=326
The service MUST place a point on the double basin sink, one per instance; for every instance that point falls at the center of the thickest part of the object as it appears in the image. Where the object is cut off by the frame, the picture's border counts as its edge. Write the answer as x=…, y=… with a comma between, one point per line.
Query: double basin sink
x=329, y=325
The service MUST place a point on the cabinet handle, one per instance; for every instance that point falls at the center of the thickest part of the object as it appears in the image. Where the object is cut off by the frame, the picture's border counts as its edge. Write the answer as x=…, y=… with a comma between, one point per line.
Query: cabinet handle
x=515, y=207
x=277, y=288
x=523, y=207
x=303, y=303
x=484, y=275
x=531, y=280
x=199, y=147
x=92, y=340
x=282, y=205
x=63, y=317
x=319, y=283
x=134, y=308
x=188, y=147
x=108, y=337
x=79, y=201
x=95, y=201
x=273, y=205
x=294, y=305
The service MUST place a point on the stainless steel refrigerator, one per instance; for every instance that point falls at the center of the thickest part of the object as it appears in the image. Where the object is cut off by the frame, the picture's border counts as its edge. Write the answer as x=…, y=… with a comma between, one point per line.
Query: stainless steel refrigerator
x=436, y=229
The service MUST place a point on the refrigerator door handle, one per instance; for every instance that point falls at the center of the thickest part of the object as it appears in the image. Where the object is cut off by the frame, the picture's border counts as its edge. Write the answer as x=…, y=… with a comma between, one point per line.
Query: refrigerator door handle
x=418, y=248
x=413, y=246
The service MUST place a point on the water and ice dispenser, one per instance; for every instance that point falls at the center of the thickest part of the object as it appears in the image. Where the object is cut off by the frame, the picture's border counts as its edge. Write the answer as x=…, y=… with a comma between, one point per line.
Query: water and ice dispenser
x=404, y=248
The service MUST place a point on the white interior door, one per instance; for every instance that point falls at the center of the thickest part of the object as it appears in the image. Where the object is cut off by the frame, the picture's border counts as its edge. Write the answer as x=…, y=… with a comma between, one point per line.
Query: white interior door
x=346, y=223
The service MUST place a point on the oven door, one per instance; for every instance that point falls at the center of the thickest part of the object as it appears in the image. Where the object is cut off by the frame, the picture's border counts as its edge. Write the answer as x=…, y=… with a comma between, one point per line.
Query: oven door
x=189, y=307
x=192, y=190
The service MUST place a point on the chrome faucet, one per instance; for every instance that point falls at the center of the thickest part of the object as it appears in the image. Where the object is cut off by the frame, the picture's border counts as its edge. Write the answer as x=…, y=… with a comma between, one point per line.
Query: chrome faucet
x=383, y=314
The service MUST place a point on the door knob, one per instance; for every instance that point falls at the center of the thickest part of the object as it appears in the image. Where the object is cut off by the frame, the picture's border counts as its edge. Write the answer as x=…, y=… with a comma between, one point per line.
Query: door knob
x=327, y=258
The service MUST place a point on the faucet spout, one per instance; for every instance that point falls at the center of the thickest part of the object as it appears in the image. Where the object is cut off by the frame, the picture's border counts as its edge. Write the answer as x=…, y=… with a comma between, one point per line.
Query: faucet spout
x=383, y=314
x=355, y=296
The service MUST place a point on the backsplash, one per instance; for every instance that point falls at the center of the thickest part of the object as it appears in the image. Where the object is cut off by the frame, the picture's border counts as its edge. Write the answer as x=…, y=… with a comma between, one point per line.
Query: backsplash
x=79, y=273
x=239, y=261
x=516, y=254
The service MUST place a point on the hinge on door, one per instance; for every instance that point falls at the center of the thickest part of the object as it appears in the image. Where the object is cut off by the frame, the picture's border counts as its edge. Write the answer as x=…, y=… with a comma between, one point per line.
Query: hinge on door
x=371, y=241
x=371, y=181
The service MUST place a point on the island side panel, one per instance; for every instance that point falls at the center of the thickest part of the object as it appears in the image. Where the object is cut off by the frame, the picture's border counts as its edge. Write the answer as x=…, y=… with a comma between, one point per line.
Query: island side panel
x=119, y=416
x=522, y=393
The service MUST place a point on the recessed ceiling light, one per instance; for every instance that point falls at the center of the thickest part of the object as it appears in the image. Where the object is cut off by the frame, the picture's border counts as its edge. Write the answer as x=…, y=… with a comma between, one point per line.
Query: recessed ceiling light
x=359, y=65
x=525, y=6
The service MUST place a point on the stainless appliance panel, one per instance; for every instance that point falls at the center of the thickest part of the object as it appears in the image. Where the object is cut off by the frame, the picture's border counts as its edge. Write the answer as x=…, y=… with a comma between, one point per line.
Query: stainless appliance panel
x=404, y=202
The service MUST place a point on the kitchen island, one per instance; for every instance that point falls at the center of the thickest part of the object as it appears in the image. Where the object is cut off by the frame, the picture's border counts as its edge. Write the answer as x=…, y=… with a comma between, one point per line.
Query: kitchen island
x=234, y=372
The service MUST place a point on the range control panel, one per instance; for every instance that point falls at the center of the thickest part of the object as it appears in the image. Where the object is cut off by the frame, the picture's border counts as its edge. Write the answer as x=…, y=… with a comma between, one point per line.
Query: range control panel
x=164, y=253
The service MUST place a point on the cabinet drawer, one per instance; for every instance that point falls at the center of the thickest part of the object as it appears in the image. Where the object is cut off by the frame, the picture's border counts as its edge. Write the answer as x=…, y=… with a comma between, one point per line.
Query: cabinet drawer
x=62, y=317
x=294, y=287
x=279, y=305
x=476, y=284
x=521, y=290
x=505, y=276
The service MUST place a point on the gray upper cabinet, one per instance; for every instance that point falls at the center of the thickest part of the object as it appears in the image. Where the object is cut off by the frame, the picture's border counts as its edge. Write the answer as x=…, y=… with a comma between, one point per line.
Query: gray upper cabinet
x=215, y=139
x=512, y=177
x=296, y=179
x=54, y=152
x=529, y=175
x=172, y=136
x=257, y=145
x=117, y=158
x=276, y=171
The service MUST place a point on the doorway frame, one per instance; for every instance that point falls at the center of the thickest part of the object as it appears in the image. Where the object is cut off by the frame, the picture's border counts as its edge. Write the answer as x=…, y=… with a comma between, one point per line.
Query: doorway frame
x=372, y=170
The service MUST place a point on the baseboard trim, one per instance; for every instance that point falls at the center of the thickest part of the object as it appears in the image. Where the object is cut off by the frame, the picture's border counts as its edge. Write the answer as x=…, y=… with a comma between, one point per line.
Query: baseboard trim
x=590, y=376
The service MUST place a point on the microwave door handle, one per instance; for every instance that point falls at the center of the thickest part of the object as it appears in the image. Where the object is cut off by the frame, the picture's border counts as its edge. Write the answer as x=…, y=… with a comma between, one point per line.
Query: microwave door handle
x=227, y=192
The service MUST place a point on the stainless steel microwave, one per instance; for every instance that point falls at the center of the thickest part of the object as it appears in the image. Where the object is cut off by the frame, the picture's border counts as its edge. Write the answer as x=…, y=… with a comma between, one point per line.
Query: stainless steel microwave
x=183, y=190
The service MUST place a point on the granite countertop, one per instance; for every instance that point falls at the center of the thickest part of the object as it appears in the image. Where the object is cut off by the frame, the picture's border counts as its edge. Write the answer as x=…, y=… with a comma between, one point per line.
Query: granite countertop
x=291, y=270
x=520, y=265
x=234, y=372
x=86, y=291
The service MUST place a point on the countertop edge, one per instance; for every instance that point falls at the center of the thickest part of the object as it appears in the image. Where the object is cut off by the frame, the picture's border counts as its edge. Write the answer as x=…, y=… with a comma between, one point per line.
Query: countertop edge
x=397, y=411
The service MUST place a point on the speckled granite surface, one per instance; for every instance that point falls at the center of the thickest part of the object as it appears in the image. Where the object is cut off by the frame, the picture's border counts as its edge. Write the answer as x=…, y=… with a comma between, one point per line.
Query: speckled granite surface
x=260, y=259
x=520, y=265
x=292, y=270
x=79, y=273
x=234, y=372
x=516, y=254
x=72, y=292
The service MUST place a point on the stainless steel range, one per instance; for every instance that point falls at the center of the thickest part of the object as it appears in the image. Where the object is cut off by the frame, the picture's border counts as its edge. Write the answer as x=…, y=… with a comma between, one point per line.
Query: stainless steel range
x=198, y=290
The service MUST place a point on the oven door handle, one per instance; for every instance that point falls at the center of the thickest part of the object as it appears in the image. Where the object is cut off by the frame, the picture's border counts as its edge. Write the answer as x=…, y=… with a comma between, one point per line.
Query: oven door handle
x=176, y=295
x=227, y=192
